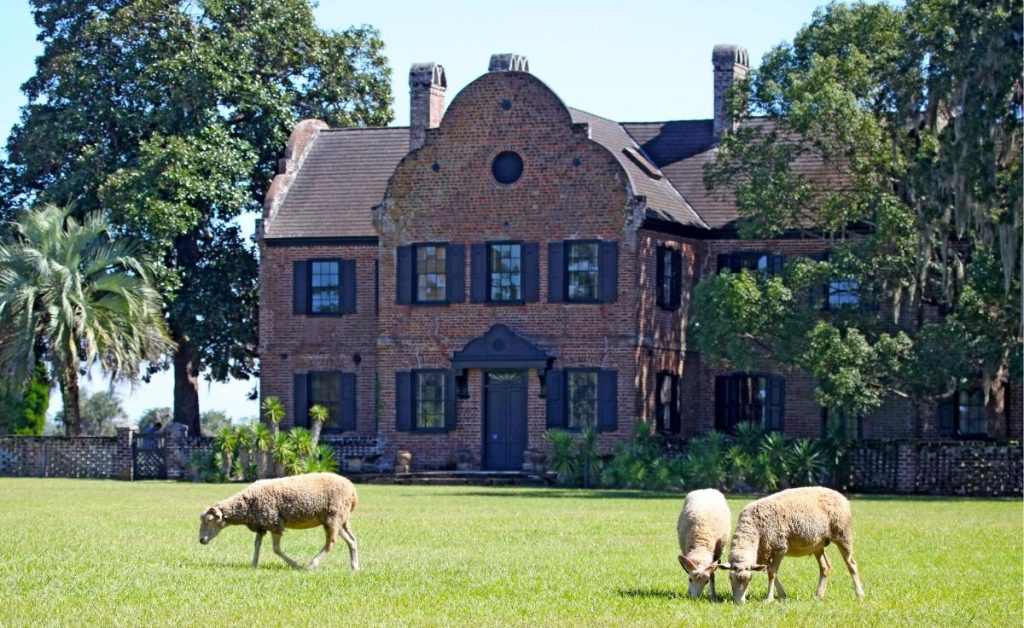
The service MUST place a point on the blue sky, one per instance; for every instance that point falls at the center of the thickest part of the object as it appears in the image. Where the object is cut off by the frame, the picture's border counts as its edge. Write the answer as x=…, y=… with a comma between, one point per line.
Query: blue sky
x=629, y=61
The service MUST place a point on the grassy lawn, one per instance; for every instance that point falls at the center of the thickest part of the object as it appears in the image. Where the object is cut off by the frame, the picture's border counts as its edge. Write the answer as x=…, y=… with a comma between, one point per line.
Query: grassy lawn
x=91, y=552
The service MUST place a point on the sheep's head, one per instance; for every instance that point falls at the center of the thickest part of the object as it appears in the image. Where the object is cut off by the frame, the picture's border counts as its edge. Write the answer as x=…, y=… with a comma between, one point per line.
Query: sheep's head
x=699, y=574
x=739, y=576
x=211, y=523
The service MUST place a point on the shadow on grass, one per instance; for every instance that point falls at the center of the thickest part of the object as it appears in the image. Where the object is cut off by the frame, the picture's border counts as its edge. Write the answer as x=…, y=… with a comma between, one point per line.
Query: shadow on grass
x=652, y=593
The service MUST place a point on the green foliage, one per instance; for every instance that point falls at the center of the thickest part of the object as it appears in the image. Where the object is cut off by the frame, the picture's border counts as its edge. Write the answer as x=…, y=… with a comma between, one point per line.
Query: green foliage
x=705, y=462
x=323, y=460
x=213, y=421
x=100, y=413
x=152, y=416
x=205, y=467
x=72, y=295
x=564, y=461
x=23, y=412
x=805, y=463
x=918, y=109
x=642, y=464
x=197, y=102
x=273, y=411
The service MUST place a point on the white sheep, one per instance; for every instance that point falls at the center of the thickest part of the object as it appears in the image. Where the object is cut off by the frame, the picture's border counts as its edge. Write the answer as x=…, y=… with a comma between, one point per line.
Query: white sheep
x=794, y=522
x=298, y=502
x=703, y=530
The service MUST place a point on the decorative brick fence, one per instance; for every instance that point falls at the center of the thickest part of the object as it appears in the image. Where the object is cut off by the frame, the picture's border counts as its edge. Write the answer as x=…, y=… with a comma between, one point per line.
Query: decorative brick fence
x=937, y=467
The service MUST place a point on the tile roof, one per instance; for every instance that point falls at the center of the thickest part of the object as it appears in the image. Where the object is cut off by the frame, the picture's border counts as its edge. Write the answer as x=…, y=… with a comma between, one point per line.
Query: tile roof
x=342, y=178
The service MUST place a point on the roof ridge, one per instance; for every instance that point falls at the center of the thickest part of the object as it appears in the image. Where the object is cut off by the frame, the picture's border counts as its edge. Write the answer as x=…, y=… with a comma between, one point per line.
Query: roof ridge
x=341, y=129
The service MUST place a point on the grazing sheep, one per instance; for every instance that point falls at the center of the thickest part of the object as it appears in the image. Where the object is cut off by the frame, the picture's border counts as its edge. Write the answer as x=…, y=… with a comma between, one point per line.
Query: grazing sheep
x=703, y=529
x=298, y=502
x=794, y=522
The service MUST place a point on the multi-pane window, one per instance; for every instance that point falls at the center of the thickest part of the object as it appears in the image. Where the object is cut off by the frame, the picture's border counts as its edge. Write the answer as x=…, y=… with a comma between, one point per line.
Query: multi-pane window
x=582, y=271
x=666, y=406
x=752, y=398
x=669, y=278
x=970, y=412
x=325, y=390
x=325, y=287
x=581, y=388
x=429, y=397
x=505, y=272
x=843, y=292
x=851, y=427
x=763, y=263
x=430, y=281
x=668, y=275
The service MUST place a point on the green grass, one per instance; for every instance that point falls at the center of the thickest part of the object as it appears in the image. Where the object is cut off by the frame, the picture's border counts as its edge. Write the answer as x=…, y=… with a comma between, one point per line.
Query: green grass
x=81, y=552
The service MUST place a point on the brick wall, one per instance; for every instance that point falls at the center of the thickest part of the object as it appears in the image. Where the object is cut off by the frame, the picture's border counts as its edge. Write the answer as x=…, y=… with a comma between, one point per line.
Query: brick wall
x=937, y=467
x=101, y=457
x=571, y=188
x=292, y=343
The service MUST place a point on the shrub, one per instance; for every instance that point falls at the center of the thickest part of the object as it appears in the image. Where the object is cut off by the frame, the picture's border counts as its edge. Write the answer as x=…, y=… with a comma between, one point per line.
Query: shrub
x=642, y=463
x=805, y=463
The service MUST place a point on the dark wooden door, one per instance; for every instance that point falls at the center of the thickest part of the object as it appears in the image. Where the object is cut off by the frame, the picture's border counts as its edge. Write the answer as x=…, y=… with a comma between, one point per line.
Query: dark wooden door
x=504, y=420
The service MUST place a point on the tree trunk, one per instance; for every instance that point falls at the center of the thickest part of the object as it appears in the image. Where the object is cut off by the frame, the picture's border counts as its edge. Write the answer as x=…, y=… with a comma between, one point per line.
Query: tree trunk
x=186, y=386
x=69, y=393
x=996, y=393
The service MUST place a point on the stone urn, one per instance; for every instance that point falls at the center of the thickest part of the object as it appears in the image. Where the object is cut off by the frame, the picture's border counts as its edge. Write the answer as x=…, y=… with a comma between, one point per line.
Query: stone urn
x=534, y=460
x=463, y=460
x=403, y=461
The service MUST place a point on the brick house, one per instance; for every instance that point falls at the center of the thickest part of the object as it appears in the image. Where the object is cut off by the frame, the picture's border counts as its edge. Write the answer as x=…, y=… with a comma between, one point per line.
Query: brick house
x=512, y=264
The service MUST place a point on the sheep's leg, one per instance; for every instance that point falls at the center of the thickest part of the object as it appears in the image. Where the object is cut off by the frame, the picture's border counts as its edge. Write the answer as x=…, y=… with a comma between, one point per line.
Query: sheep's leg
x=332, y=538
x=350, y=540
x=256, y=551
x=773, y=570
x=276, y=537
x=824, y=569
x=851, y=564
x=779, y=588
x=711, y=583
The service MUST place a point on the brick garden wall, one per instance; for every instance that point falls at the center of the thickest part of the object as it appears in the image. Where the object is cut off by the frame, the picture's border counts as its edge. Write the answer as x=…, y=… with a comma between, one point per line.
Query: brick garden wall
x=100, y=457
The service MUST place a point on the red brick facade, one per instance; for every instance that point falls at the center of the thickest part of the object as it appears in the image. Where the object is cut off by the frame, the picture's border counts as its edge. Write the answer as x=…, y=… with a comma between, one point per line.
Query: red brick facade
x=583, y=178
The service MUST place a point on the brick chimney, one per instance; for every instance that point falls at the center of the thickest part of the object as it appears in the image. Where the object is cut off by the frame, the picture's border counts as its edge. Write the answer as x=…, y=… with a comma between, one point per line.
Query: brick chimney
x=730, y=63
x=427, y=85
x=508, y=62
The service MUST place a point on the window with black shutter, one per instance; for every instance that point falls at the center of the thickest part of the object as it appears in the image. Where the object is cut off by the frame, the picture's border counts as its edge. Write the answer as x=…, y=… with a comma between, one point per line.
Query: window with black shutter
x=835, y=421
x=425, y=400
x=430, y=274
x=583, y=271
x=666, y=403
x=963, y=415
x=332, y=389
x=505, y=272
x=324, y=287
x=582, y=398
x=669, y=278
x=759, y=261
x=745, y=397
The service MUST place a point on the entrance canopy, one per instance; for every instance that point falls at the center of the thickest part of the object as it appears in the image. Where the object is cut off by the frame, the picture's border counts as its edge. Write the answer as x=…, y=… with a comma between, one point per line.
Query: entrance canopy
x=501, y=348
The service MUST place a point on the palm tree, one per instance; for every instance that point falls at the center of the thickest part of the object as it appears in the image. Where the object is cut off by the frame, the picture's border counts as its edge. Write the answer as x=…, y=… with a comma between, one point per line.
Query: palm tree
x=75, y=296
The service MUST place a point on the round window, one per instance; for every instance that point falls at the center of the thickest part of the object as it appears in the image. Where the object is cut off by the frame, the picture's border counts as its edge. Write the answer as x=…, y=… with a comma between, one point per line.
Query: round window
x=507, y=167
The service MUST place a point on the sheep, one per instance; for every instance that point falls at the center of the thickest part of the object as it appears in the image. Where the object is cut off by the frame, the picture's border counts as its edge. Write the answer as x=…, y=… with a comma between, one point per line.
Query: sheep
x=794, y=522
x=703, y=530
x=298, y=502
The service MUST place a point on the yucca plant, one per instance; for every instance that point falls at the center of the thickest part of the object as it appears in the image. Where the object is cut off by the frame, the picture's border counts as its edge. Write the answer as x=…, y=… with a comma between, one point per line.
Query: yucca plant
x=273, y=413
x=762, y=473
x=282, y=453
x=704, y=465
x=323, y=460
x=262, y=444
x=805, y=462
x=318, y=414
x=748, y=437
x=226, y=441
x=776, y=448
x=301, y=448
x=246, y=444
x=563, y=458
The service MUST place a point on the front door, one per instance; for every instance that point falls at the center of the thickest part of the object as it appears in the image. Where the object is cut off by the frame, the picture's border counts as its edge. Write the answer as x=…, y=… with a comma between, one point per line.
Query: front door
x=504, y=420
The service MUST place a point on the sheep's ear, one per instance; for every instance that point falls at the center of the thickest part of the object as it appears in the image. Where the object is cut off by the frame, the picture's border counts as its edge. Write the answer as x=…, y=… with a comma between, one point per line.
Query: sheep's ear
x=759, y=568
x=686, y=563
x=725, y=566
x=712, y=567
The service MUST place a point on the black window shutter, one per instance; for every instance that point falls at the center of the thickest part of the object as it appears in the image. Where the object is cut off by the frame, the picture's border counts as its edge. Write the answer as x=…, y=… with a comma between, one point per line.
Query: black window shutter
x=300, y=390
x=300, y=287
x=609, y=271
x=478, y=273
x=947, y=425
x=455, y=269
x=607, y=401
x=677, y=280
x=404, y=280
x=531, y=272
x=724, y=262
x=775, y=264
x=449, y=401
x=776, y=403
x=348, y=402
x=403, y=401
x=348, y=286
x=659, y=278
x=554, y=384
x=556, y=272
